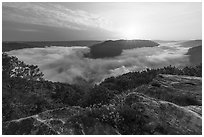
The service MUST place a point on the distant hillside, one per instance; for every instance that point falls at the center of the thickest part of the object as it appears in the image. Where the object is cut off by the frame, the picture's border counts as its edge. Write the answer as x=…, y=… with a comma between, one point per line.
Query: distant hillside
x=114, y=48
x=164, y=41
x=7, y=46
x=195, y=55
x=191, y=43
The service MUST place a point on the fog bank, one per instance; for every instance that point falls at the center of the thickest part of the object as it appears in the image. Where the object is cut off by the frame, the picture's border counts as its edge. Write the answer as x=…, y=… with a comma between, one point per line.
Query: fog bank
x=67, y=64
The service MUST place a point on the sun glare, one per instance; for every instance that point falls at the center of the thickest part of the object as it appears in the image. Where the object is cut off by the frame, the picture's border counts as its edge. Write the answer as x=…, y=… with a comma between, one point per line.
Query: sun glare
x=130, y=33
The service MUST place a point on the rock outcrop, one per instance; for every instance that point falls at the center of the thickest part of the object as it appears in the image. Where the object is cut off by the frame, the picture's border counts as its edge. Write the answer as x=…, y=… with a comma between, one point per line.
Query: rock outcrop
x=64, y=121
x=181, y=90
x=169, y=105
x=162, y=117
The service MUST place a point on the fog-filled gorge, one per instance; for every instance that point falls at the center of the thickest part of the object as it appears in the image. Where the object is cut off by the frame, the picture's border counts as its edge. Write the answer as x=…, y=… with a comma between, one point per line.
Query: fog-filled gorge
x=68, y=64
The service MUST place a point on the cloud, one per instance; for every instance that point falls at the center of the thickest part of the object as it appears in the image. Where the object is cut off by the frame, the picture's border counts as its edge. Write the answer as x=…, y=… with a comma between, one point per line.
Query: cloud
x=67, y=64
x=28, y=30
x=54, y=15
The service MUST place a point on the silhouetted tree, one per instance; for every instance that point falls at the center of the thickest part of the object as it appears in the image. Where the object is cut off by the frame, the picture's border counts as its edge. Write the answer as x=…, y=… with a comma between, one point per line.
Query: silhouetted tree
x=12, y=67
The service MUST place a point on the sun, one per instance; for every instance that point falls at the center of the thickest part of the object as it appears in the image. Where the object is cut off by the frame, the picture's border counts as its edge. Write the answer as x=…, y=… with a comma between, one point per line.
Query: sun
x=130, y=32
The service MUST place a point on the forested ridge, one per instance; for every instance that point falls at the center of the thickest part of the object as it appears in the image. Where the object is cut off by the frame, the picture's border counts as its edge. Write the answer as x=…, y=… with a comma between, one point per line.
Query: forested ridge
x=112, y=48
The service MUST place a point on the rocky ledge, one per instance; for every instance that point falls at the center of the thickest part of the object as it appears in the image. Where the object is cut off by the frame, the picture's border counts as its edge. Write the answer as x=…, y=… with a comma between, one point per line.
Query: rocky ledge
x=63, y=121
x=181, y=90
x=168, y=105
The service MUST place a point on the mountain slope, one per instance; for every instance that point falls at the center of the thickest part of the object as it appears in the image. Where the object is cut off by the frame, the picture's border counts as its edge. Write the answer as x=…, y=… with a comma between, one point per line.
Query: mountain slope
x=8, y=46
x=195, y=55
x=191, y=43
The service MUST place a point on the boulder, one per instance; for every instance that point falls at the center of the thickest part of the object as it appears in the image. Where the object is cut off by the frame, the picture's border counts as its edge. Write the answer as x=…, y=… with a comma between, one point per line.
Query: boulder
x=162, y=117
x=169, y=105
x=63, y=121
x=181, y=90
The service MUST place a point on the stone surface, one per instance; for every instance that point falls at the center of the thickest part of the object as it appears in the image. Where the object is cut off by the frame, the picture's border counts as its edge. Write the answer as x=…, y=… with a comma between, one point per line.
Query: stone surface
x=181, y=90
x=64, y=121
x=169, y=105
x=196, y=109
x=162, y=117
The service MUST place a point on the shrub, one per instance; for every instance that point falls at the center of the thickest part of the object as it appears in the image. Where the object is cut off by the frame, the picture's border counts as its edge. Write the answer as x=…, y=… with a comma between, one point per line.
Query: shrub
x=97, y=95
x=12, y=67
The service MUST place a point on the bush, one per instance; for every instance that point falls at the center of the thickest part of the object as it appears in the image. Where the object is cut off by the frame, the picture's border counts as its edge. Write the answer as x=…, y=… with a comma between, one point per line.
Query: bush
x=67, y=94
x=12, y=67
x=132, y=80
x=97, y=95
x=126, y=119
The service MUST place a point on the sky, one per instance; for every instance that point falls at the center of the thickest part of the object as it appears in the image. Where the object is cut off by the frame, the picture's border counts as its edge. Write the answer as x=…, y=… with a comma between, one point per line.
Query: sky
x=101, y=21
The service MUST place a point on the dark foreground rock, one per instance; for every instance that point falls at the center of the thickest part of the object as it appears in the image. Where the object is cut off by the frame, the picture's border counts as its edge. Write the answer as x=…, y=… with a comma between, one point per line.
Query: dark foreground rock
x=145, y=115
x=181, y=90
x=169, y=105
x=162, y=117
x=64, y=121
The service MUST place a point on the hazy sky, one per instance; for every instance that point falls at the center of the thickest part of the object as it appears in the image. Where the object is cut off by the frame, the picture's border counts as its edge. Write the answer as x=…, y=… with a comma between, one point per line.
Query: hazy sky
x=101, y=21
